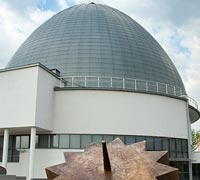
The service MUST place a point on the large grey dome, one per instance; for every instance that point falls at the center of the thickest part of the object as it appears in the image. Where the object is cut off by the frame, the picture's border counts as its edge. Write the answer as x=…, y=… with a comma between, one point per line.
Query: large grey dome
x=97, y=40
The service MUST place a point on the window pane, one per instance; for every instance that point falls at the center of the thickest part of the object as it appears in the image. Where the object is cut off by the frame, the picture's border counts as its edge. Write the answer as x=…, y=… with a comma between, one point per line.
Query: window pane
x=85, y=140
x=185, y=145
x=130, y=139
x=172, y=154
x=75, y=141
x=140, y=138
x=172, y=144
x=158, y=143
x=179, y=154
x=24, y=141
x=11, y=138
x=150, y=141
x=185, y=167
x=1, y=142
x=43, y=141
x=15, y=156
x=108, y=138
x=1, y=153
x=54, y=141
x=18, y=142
x=178, y=145
x=64, y=141
x=9, y=155
x=185, y=155
x=97, y=139
x=36, y=141
x=165, y=144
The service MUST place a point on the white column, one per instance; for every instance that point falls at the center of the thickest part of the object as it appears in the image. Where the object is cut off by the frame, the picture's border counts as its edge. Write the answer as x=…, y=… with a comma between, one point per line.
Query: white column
x=189, y=140
x=32, y=153
x=5, y=148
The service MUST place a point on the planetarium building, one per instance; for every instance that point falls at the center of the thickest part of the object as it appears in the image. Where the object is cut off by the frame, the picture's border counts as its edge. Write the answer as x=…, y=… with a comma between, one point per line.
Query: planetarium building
x=90, y=73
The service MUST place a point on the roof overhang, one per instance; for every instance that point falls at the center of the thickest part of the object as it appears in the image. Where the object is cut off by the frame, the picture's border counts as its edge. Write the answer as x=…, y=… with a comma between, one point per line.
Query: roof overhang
x=194, y=114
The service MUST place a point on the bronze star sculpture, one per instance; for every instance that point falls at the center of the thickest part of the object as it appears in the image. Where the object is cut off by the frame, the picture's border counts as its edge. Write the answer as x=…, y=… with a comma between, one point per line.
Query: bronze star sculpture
x=116, y=161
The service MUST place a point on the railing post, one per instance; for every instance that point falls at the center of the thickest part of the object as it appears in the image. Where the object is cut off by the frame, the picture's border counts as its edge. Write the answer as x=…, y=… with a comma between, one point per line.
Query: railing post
x=147, y=89
x=85, y=81
x=174, y=91
x=98, y=81
x=111, y=82
x=60, y=79
x=166, y=89
x=123, y=83
x=135, y=84
x=157, y=87
x=72, y=81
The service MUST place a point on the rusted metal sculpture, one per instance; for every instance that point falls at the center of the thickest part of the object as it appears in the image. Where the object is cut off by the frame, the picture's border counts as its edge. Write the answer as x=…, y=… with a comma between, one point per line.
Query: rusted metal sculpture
x=114, y=162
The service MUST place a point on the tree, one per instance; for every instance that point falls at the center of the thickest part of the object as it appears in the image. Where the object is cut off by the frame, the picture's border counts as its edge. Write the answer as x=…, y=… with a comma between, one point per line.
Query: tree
x=195, y=139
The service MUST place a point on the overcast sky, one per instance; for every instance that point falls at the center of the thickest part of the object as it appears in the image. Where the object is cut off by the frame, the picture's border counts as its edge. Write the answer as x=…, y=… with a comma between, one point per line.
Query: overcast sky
x=174, y=23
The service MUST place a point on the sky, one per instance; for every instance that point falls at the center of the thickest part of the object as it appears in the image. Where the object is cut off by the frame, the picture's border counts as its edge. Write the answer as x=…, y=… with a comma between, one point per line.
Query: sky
x=175, y=24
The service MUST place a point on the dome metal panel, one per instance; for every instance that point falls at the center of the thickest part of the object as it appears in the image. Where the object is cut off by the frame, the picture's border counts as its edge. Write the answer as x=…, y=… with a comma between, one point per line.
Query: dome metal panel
x=97, y=40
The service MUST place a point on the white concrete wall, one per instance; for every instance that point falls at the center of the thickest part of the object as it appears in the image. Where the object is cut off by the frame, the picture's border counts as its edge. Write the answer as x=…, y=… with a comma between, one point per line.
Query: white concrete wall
x=18, y=90
x=27, y=97
x=116, y=112
x=45, y=99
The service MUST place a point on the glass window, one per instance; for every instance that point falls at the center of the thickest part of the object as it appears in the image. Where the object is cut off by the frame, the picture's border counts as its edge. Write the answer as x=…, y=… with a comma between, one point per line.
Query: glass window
x=108, y=138
x=150, y=142
x=165, y=144
x=130, y=139
x=15, y=156
x=172, y=144
x=64, y=141
x=185, y=167
x=54, y=141
x=11, y=138
x=185, y=145
x=1, y=142
x=158, y=143
x=172, y=154
x=178, y=145
x=24, y=142
x=140, y=138
x=43, y=141
x=75, y=141
x=185, y=155
x=1, y=153
x=97, y=139
x=36, y=141
x=9, y=155
x=179, y=154
x=85, y=140
x=18, y=139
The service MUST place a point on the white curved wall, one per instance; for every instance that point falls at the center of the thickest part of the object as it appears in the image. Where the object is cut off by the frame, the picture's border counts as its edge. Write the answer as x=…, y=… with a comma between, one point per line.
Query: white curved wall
x=117, y=112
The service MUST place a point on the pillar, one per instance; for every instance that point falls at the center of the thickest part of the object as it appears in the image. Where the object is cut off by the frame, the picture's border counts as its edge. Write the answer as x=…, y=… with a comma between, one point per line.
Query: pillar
x=189, y=141
x=5, y=148
x=32, y=153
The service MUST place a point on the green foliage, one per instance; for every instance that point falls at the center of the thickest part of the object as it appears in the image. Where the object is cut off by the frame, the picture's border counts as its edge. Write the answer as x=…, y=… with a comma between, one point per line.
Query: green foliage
x=195, y=139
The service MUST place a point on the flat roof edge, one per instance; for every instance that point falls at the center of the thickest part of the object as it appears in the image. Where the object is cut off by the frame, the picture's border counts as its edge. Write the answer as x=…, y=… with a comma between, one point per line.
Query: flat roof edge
x=30, y=66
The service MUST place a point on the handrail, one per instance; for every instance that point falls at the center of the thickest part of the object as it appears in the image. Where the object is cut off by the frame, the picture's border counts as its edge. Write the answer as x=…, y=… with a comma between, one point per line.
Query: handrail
x=121, y=83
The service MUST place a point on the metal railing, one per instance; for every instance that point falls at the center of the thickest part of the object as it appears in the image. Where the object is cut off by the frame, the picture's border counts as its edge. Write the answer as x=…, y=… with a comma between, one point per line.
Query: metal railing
x=120, y=83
